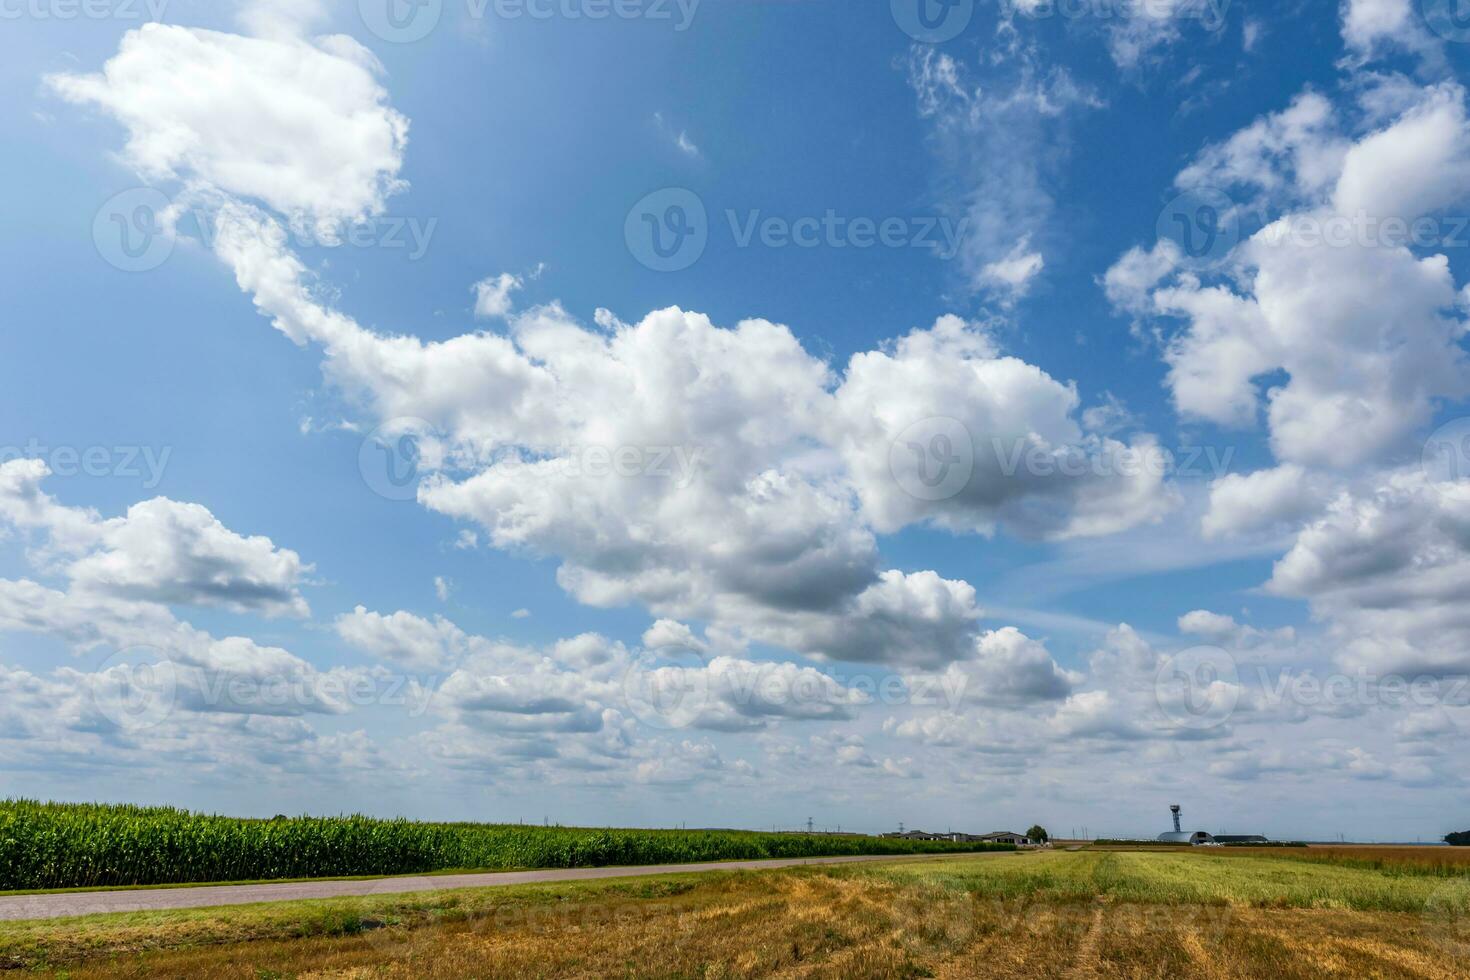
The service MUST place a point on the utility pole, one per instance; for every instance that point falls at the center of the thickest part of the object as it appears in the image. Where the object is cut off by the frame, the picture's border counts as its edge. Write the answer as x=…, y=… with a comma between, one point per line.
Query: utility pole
x=809, y=825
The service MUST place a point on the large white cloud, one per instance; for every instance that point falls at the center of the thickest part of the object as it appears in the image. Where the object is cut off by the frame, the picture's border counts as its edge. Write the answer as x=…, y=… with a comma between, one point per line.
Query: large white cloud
x=304, y=128
x=1342, y=320
x=1390, y=569
x=174, y=553
x=66, y=722
x=722, y=474
x=1364, y=329
x=204, y=673
x=1011, y=669
x=1374, y=27
x=1413, y=167
x=1292, y=155
x=402, y=637
x=579, y=685
x=161, y=551
x=706, y=472
x=918, y=619
x=767, y=529
x=1265, y=499
x=1035, y=471
x=121, y=575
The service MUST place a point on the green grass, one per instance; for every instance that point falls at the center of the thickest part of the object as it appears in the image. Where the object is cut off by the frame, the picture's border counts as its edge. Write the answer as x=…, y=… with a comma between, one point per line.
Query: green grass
x=1434, y=862
x=46, y=846
x=1192, y=878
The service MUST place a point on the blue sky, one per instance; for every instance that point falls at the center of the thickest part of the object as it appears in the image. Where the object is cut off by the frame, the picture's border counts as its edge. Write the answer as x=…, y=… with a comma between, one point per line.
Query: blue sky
x=497, y=310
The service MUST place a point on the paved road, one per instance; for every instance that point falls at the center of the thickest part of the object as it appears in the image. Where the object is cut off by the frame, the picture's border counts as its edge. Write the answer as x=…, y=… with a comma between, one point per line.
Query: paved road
x=17, y=907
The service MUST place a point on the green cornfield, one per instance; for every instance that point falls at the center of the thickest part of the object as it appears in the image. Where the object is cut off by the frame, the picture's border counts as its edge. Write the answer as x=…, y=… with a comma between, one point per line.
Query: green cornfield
x=64, y=845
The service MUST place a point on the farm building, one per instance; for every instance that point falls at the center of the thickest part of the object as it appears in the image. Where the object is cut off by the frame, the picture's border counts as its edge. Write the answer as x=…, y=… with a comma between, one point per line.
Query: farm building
x=1178, y=836
x=1004, y=837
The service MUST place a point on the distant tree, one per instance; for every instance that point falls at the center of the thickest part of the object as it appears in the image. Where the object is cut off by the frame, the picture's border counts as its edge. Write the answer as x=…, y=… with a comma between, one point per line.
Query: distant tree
x=1038, y=833
x=1460, y=839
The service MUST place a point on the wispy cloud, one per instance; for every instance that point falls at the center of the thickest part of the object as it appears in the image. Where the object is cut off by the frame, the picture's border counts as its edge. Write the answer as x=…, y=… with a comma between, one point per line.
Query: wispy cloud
x=679, y=137
x=1000, y=141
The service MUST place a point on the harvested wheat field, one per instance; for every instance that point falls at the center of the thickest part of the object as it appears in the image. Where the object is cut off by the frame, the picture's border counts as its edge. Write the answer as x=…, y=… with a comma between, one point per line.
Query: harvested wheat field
x=1058, y=913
